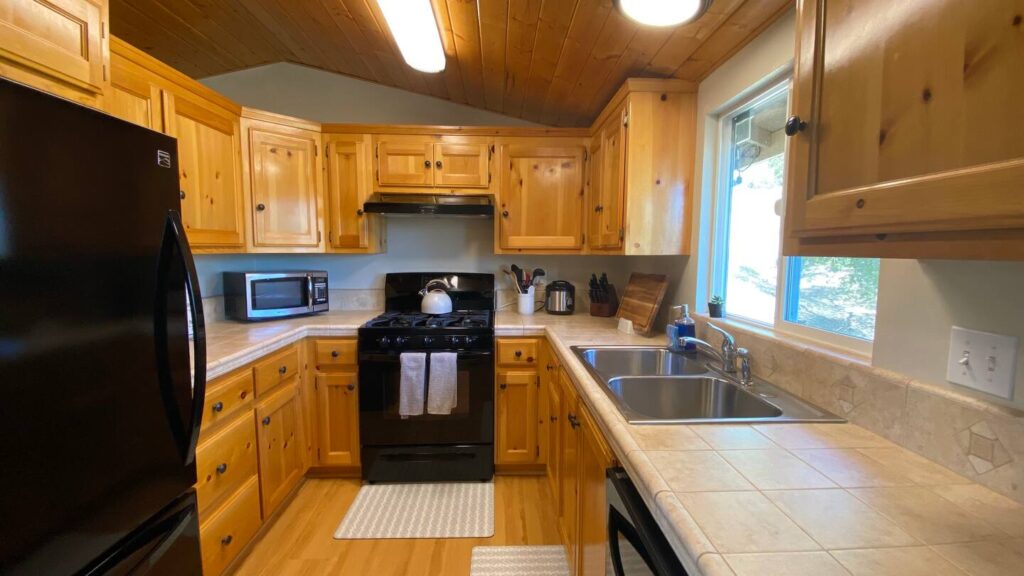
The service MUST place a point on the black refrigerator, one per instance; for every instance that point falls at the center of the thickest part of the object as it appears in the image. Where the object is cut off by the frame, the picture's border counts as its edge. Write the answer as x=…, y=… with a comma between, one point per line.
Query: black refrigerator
x=99, y=406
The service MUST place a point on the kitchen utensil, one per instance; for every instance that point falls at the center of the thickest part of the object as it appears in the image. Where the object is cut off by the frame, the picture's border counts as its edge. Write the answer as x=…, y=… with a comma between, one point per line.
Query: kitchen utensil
x=513, y=280
x=537, y=273
x=641, y=300
x=519, y=277
x=435, y=300
x=560, y=298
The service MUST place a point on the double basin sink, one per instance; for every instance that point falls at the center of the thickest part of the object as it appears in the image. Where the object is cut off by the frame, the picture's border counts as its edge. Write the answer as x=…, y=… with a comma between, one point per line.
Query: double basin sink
x=652, y=385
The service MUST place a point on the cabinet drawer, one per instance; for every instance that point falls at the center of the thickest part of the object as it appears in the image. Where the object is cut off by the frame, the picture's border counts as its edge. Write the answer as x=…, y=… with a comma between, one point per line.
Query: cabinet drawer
x=517, y=352
x=277, y=369
x=225, y=461
x=227, y=397
x=223, y=535
x=335, y=353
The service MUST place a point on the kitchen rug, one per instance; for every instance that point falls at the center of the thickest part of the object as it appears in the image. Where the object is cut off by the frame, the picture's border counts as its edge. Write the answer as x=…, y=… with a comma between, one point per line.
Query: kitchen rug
x=444, y=510
x=519, y=561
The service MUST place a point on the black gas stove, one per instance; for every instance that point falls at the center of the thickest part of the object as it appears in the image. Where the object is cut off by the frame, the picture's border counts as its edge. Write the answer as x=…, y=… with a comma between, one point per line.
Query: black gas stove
x=428, y=448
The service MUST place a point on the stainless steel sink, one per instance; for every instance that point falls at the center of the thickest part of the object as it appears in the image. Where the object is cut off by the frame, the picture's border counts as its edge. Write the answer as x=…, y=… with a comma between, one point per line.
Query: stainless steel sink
x=690, y=398
x=654, y=385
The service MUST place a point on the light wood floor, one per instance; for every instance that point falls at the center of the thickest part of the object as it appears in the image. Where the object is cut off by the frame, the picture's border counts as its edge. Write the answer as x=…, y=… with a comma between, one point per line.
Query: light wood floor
x=300, y=541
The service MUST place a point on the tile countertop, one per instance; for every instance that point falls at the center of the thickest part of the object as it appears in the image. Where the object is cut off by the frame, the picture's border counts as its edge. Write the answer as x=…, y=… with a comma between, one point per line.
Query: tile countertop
x=794, y=499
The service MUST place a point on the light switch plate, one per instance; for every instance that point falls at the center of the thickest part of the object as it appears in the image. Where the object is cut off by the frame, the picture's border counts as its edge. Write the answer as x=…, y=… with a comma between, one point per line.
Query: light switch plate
x=983, y=361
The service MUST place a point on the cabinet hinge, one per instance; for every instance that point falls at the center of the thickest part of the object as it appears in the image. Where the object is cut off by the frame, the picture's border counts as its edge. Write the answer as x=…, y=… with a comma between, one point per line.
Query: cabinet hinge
x=316, y=149
x=585, y=155
x=625, y=118
x=376, y=151
x=105, y=78
x=318, y=454
x=538, y=451
x=317, y=236
x=103, y=29
x=490, y=152
x=583, y=239
x=622, y=233
x=488, y=177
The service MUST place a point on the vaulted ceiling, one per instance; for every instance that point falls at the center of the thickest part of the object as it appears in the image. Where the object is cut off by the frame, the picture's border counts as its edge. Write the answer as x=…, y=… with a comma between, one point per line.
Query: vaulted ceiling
x=555, y=62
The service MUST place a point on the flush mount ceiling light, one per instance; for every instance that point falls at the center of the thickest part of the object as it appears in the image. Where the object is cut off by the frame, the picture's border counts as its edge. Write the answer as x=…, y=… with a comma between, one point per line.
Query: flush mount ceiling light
x=414, y=29
x=663, y=12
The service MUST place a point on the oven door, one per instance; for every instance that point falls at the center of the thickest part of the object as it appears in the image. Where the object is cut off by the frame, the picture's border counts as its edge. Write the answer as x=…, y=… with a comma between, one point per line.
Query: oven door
x=277, y=295
x=471, y=422
x=635, y=542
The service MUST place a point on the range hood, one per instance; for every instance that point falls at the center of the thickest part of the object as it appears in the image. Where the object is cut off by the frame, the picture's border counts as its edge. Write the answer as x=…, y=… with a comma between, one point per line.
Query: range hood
x=429, y=205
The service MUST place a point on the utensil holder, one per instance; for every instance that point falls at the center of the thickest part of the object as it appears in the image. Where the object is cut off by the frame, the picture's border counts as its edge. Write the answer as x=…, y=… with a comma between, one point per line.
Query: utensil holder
x=606, y=309
x=527, y=303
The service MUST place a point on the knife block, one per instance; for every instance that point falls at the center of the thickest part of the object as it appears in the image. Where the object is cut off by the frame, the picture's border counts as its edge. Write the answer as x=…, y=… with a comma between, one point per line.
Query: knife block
x=606, y=309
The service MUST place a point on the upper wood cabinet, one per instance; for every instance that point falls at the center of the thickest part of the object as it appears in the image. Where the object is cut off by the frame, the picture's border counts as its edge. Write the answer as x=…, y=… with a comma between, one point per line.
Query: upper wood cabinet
x=58, y=46
x=421, y=163
x=209, y=164
x=540, y=200
x=135, y=93
x=348, y=181
x=907, y=130
x=641, y=170
x=282, y=177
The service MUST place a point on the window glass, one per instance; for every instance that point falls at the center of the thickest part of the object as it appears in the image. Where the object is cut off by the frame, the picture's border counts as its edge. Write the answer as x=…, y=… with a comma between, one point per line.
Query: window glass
x=833, y=294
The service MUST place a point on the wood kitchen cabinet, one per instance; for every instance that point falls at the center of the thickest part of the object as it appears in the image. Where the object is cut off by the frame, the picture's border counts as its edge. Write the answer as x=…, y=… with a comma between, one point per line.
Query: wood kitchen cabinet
x=906, y=136
x=282, y=175
x=568, y=440
x=348, y=185
x=640, y=191
x=59, y=46
x=551, y=418
x=279, y=433
x=209, y=169
x=433, y=163
x=595, y=457
x=337, y=398
x=135, y=94
x=541, y=196
x=516, y=416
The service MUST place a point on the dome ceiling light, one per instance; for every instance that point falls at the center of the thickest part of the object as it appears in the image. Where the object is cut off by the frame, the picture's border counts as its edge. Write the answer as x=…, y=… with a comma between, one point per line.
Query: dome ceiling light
x=663, y=13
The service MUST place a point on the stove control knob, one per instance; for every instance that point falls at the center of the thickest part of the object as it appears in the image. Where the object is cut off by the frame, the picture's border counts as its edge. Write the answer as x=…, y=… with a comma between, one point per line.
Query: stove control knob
x=454, y=341
x=470, y=340
x=400, y=341
x=428, y=341
x=384, y=341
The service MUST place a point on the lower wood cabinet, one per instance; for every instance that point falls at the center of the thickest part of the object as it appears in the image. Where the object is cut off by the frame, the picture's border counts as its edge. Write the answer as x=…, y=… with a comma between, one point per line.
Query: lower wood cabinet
x=225, y=461
x=225, y=532
x=336, y=382
x=568, y=475
x=592, y=534
x=520, y=406
x=279, y=432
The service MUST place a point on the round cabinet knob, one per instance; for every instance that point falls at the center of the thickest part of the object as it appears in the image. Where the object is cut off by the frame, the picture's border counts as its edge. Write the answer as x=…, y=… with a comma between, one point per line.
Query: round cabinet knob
x=266, y=421
x=226, y=540
x=350, y=387
x=598, y=208
x=503, y=386
x=519, y=353
x=426, y=163
x=181, y=194
x=218, y=406
x=261, y=207
x=794, y=124
x=282, y=369
x=549, y=367
x=504, y=213
x=222, y=468
x=334, y=353
x=359, y=212
x=438, y=164
x=529, y=359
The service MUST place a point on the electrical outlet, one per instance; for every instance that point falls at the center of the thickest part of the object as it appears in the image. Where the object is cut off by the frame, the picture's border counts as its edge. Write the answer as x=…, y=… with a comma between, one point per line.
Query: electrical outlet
x=982, y=361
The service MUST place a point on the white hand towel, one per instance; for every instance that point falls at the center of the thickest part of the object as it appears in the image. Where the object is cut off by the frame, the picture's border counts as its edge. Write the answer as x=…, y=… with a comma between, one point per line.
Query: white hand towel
x=410, y=394
x=444, y=383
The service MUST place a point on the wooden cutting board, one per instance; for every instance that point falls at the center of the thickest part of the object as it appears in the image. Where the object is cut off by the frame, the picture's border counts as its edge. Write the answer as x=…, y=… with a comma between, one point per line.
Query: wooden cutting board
x=641, y=300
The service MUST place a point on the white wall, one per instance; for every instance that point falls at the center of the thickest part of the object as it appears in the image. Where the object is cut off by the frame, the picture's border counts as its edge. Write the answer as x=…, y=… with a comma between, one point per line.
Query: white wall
x=414, y=243
x=918, y=301
x=317, y=95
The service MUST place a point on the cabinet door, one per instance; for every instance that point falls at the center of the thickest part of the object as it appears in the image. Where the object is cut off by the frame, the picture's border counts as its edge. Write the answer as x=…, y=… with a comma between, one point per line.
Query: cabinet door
x=463, y=164
x=912, y=120
x=347, y=189
x=568, y=477
x=279, y=435
x=595, y=181
x=517, y=417
x=405, y=161
x=553, y=469
x=609, y=206
x=594, y=460
x=283, y=184
x=134, y=93
x=209, y=164
x=338, y=408
x=57, y=46
x=541, y=197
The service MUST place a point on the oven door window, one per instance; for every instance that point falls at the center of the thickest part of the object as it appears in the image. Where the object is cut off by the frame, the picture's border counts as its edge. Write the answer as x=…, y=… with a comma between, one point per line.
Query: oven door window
x=279, y=293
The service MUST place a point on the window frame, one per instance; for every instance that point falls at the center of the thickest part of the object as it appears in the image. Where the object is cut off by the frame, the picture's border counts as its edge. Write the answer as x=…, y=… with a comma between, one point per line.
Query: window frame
x=721, y=198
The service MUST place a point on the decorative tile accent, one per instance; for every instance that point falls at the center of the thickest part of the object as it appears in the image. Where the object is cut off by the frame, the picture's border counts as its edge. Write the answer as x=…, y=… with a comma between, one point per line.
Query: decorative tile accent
x=983, y=449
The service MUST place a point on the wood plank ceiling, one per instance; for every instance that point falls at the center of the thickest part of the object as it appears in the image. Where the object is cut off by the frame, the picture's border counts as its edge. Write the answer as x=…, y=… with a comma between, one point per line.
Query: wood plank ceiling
x=555, y=62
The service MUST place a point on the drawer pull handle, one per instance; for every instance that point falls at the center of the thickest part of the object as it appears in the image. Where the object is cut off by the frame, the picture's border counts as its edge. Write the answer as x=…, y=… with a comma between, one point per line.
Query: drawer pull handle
x=554, y=418
x=218, y=406
x=350, y=387
x=226, y=540
x=243, y=394
x=334, y=353
x=519, y=353
x=282, y=369
x=222, y=468
x=529, y=359
x=266, y=421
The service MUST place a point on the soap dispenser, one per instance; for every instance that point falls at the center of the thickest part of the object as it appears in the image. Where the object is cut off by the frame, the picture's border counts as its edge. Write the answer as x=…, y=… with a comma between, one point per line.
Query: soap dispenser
x=686, y=327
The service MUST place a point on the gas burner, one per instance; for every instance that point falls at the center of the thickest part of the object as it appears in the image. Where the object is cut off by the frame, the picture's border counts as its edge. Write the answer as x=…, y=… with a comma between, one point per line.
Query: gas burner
x=418, y=320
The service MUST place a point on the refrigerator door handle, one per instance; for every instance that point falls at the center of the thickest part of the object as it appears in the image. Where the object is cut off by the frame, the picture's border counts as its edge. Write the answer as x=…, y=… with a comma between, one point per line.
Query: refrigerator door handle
x=175, y=242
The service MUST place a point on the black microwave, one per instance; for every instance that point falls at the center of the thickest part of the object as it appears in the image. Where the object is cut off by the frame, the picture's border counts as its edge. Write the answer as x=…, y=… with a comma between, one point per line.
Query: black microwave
x=253, y=296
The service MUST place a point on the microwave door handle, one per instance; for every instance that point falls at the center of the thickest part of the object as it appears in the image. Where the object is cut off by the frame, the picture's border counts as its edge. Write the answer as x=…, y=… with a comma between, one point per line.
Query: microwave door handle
x=309, y=291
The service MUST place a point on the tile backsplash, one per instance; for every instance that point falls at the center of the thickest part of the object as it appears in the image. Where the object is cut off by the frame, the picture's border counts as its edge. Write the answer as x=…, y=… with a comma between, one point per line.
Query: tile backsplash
x=982, y=441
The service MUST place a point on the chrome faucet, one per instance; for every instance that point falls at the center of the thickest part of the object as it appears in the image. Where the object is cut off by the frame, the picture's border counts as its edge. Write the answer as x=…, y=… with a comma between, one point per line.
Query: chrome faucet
x=728, y=354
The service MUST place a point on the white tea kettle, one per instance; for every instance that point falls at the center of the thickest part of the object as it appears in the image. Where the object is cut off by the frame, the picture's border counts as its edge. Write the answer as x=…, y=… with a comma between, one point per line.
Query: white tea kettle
x=436, y=300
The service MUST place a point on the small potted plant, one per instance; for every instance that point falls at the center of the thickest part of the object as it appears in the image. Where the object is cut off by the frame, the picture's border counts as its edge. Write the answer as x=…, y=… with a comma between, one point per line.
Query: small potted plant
x=715, y=307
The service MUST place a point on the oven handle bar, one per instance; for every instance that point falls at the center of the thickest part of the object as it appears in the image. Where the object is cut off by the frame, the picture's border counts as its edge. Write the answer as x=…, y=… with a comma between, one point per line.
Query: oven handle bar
x=395, y=357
